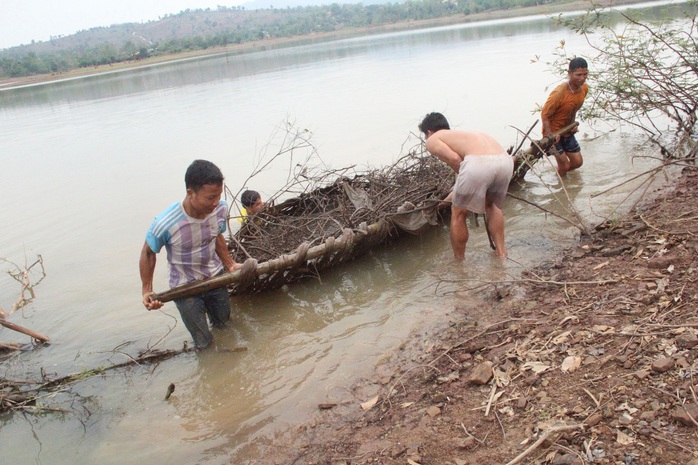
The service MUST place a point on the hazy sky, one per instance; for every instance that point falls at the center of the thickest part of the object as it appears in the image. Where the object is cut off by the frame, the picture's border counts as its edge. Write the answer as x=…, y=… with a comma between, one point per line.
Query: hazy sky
x=22, y=21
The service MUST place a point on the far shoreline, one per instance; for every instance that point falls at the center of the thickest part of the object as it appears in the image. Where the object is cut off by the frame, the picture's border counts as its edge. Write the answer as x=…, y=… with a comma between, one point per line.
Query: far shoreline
x=247, y=47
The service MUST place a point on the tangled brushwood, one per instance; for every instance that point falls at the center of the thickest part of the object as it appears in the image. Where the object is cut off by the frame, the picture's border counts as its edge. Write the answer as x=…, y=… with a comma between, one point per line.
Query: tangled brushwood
x=335, y=221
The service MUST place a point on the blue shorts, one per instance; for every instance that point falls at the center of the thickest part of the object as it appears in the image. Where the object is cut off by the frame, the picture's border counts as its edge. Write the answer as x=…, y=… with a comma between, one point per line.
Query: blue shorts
x=568, y=144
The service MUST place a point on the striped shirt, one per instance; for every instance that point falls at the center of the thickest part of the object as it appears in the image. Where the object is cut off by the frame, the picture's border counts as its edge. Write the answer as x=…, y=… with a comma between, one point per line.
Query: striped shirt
x=190, y=242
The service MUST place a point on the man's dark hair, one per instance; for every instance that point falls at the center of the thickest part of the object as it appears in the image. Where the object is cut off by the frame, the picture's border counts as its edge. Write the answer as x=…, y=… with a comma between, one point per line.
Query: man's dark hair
x=202, y=172
x=576, y=63
x=248, y=198
x=433, y=122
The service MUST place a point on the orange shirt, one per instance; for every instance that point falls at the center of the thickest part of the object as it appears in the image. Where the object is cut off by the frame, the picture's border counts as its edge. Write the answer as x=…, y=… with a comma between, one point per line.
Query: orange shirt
x=562, y=106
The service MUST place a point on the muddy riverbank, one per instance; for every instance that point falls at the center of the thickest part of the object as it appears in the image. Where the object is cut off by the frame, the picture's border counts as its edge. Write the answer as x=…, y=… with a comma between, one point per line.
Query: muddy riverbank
x=589, y=358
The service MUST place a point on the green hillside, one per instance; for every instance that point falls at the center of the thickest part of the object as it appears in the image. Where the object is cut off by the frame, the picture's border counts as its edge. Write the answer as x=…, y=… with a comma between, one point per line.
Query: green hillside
x=203, y=29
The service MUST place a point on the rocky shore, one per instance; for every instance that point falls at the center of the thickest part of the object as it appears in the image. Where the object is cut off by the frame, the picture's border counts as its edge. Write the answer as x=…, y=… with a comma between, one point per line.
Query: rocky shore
x=591, y=358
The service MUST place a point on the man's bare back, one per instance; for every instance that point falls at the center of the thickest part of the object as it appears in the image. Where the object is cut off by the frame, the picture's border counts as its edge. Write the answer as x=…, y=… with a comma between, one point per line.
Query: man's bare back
x=451, y=146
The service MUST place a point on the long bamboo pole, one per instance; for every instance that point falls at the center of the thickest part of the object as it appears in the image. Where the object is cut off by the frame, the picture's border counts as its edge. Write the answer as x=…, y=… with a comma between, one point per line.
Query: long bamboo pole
x=282, y=262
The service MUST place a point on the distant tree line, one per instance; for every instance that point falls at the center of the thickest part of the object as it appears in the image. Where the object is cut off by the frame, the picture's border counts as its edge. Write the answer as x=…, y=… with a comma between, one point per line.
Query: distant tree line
x=253, y=25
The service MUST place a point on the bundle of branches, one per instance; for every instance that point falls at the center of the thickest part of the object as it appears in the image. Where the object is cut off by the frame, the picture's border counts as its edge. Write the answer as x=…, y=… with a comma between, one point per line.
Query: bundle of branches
x=414, y=181
x=330, y=223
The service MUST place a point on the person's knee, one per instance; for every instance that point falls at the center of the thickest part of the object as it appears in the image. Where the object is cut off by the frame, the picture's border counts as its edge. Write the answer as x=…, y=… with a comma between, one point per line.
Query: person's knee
x=492, y=209
x=193, y=313
x=574, y=160
x=218, y=306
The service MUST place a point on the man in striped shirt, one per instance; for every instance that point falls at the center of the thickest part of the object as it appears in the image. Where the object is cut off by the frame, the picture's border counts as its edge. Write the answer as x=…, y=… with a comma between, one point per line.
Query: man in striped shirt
x=192, y=233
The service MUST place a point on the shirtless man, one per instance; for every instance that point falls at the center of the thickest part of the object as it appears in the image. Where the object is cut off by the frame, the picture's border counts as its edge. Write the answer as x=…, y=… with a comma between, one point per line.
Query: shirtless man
x=483, y=170
x=561, y=109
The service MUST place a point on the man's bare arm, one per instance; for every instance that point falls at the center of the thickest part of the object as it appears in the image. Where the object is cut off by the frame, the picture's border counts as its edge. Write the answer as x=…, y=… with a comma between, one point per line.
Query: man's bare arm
x=147, y=270
x=224, y=255
x=443, y=152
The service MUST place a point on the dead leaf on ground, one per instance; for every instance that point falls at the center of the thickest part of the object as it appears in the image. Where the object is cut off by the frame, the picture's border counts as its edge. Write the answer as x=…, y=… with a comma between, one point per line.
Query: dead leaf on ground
x=601, y=265
x=569, y=318
x=603, y=328
x=623, y=439
x=501, y=377
x=559, y=339
x=370, y=403
x=536, y=367
x=571, y=363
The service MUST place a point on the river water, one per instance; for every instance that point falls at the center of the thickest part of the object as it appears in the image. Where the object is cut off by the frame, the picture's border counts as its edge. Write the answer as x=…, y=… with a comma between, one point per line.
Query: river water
x=87, y=163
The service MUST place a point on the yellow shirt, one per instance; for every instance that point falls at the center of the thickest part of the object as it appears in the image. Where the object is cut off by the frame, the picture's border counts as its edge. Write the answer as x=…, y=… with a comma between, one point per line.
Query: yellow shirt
x=243, y=214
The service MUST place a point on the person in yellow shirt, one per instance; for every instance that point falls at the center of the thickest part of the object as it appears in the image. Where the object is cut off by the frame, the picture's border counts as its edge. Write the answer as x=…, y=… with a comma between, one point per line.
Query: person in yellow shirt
x=251, y=203
x=561, y=109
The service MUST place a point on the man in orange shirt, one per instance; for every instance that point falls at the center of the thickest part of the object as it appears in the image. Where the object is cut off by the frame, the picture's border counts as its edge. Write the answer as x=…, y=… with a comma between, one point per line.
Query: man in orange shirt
x=561, y=109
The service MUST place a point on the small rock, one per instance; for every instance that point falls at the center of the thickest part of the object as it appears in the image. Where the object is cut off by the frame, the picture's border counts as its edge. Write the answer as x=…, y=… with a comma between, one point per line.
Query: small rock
x=531, y=380
x=481, y=374
x=662, y=262
x=663, y=365
x=682, y=412
x=521, y=403
x=398, y=451
x=563, y=459
x=594, y=419
x=466, y=443
x=433, y=411
x=625, y=419
x=642, y=374
x=648, y=416
x=687, y=340
x=465, y=357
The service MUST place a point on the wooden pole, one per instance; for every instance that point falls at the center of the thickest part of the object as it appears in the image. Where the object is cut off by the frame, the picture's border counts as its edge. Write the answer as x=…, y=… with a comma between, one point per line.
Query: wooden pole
x=23, y=330
x=259, y=269
x=523, y=161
